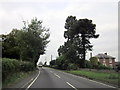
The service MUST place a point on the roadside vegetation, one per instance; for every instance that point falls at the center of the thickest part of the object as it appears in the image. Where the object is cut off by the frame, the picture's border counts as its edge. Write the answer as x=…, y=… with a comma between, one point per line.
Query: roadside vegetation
x=14, y=70
x=26, y=44
x=21, y=49
x=15, y=78
x=72, y=54
x=105, y=77
x=78, y=34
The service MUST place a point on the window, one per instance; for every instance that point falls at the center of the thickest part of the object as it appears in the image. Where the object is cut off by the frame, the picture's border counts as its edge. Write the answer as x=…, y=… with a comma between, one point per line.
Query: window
x=110, y=60
x=111, y=65
x=104, y=61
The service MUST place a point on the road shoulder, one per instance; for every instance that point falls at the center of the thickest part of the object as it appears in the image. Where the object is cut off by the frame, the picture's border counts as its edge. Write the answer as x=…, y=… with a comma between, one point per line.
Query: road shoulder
x=25, y=81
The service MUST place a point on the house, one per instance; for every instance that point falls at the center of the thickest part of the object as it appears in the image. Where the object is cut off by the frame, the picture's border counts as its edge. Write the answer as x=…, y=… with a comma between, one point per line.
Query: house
x=117, y=65
x=106, y=60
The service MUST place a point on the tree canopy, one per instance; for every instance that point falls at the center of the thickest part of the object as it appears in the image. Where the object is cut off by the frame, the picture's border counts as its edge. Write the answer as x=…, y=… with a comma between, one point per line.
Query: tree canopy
x=26, y=44
x=78, y=34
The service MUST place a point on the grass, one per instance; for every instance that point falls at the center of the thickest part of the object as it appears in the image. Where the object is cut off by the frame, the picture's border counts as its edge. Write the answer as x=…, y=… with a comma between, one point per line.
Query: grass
x=111, y=78
x=14, y=78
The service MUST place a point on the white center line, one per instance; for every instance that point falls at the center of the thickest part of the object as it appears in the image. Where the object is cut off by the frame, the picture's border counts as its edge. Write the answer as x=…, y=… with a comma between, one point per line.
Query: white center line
x=57, y=75
x=71, y=85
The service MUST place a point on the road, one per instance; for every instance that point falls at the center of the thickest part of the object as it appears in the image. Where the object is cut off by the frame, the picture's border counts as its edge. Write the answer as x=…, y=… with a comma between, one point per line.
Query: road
x=51, y=78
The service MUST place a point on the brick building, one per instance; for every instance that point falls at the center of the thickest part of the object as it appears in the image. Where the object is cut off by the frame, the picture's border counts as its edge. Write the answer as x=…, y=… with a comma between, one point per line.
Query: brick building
x=106, y=60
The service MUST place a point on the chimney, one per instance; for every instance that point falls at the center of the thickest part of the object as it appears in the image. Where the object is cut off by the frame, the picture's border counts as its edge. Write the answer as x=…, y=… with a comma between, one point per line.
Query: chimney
x=105, y=53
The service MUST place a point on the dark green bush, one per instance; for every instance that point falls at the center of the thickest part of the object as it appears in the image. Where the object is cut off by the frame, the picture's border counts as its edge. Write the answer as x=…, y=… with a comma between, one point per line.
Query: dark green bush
x=26, y=66
x=72, y=66
x=103, y=67
x=10, y=66
x=88, y=64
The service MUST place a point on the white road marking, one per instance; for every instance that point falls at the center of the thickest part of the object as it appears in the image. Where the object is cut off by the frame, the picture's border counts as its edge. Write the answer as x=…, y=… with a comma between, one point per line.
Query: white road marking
x=71, y=85
x=57, y=75
x=27, y=83
x=33, y=81
x=51, y=71
x=89, y=80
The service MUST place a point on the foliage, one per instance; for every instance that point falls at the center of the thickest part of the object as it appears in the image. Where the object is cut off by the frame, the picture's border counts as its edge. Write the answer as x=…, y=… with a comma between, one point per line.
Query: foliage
x=45, y=63
x=88, y=64
x=105, y=77
x=100, y=67
x=72, y=66
x=78, y=33
x=10, y=46
x=10, y=66
x=94, y=62
x=26, y=44
x=27, y=66
x=15, y=78
x=53, y=62
x=61, y=62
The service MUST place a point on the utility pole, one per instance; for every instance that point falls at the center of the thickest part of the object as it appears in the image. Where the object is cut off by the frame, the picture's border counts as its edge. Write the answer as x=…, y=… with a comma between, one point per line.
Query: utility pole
x=51, y=57
x=45, y=61
x=90, y=54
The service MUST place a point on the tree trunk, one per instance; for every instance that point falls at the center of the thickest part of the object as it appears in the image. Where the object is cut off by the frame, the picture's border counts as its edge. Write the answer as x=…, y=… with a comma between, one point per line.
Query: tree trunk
x=84, y=51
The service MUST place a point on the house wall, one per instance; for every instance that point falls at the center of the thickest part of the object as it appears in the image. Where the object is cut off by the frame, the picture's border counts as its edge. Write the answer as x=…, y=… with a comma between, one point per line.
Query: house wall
x=113, y=62
x=107, y=62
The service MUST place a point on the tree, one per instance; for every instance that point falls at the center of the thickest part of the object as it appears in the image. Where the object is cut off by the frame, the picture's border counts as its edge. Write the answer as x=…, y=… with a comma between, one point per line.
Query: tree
x=79, y=32
x=10, y=48
x=26, y=44
x=53, y=62
x=62, y=62
x=67, y=53
x=45, y=64
x=94, y=62
x=35, y=35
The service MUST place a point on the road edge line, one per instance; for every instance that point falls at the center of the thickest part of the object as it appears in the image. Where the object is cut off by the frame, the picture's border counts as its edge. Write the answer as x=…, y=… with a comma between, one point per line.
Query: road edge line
x=33, y=81
x=86, y=79
x=89, y=80
x=27, y=83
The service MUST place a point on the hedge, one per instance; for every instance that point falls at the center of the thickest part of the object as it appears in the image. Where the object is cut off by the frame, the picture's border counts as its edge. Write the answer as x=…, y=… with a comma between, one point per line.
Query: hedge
x=10, y=66
x=72, y=66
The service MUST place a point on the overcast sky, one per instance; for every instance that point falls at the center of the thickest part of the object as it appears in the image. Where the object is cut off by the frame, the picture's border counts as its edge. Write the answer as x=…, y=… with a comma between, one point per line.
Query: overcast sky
x=53, y=13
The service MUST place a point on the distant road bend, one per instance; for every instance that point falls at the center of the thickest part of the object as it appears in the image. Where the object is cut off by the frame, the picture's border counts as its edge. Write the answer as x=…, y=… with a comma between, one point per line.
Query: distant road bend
x=51, y=78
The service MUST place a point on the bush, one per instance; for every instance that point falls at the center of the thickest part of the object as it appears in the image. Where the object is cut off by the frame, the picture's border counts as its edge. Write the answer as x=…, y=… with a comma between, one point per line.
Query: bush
x=88, y=64
x=26, y=66
x=94, y=61
x=113, y=76
x=72, y=66
x=103, y=67
x=54, y=66
x=10, y=66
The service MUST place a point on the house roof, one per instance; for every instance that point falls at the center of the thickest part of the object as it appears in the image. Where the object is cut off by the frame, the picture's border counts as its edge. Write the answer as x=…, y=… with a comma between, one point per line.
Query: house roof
x=101, y=56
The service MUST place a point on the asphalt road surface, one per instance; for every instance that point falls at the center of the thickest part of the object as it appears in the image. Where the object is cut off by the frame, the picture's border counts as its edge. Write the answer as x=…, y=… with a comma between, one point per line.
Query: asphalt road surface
x=51, y=78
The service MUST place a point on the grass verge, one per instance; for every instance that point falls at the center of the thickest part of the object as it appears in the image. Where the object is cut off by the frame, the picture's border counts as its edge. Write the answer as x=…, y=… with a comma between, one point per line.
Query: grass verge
x=15, y=77
x=111, y=78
